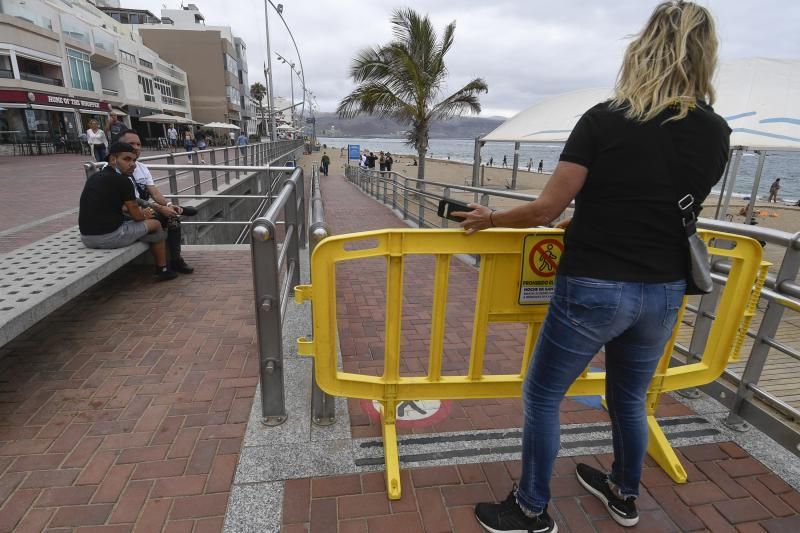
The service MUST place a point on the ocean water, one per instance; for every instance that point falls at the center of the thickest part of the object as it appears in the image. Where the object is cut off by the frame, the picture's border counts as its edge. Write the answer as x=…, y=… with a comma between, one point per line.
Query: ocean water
x=783, y=165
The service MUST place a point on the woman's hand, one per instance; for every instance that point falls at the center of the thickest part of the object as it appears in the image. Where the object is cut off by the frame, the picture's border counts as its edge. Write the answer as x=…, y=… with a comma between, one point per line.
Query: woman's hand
x=479, y=218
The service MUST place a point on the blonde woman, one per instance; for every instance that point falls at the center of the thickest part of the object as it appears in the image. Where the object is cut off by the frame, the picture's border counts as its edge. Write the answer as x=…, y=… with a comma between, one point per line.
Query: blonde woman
x=96, y=138
x=622, y=276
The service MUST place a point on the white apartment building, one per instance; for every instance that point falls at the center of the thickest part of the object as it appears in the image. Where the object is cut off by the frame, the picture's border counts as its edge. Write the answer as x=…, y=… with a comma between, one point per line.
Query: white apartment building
x=64, y=62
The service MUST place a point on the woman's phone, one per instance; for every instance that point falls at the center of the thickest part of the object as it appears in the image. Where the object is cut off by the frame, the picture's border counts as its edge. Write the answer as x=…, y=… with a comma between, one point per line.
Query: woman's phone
x=447, y=207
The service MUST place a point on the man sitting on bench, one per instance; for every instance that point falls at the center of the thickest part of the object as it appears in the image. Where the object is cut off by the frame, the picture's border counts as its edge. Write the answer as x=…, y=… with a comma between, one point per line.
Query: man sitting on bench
x=148, y=195
x=101, y=221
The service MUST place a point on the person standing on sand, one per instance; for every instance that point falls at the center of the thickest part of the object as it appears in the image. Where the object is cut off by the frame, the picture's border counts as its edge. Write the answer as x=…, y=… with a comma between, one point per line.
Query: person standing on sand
x=773, y=190
x=491, y=160
x=389, y=162
x=541, y=166
x=505, y=162
x=382, y=162
x=530, y=164
x=610, y=291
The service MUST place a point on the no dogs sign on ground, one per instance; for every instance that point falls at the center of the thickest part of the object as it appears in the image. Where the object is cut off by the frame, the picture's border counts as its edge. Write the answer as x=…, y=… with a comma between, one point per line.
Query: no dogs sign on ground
x=540, y=257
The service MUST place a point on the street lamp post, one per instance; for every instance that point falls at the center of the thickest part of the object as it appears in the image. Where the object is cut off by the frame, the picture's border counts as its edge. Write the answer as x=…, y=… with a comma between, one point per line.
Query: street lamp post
x=271, y=100
x=302, y=74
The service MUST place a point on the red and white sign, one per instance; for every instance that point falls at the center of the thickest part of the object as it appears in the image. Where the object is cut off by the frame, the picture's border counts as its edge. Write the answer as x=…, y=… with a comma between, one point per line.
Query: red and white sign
x=411, y=413
x=30, y=97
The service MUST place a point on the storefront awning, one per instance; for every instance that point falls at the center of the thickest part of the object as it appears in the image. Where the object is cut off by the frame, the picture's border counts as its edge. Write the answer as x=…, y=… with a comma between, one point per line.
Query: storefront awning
x=92, y=112
x=119, y=112
x=52, y=108
x=14, y=106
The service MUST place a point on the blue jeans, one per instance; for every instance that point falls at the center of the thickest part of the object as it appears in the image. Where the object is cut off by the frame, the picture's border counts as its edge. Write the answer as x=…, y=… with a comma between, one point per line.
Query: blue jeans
x=634, y=321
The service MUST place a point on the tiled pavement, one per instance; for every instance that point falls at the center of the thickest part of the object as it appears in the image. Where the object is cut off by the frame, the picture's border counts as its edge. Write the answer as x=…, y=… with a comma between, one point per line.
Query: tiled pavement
x=127, y=407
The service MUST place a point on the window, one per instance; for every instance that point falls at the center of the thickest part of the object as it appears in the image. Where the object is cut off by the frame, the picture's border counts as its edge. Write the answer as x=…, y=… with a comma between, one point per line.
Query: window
x=80, y=69
x=127, y=57
x=233, y=95
x=163, y=86
x=231, y=65
x=5, y=67
x=145, y=63
x=147, y=89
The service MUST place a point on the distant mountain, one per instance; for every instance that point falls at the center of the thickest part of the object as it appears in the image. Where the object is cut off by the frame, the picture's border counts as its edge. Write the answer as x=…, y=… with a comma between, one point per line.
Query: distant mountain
x=330, y=125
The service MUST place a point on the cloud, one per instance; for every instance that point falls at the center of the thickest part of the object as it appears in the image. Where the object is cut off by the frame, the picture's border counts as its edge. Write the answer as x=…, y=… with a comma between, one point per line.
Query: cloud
x=524, y=50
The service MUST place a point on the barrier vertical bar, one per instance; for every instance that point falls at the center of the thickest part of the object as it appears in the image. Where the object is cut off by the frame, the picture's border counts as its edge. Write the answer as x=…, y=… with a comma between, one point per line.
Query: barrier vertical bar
x=394, y=190
x=227, y=162
x=266, y=284
x=766, y=332
x=421, y=200
x=446, y=195
x=292, y=221
x=214, y=184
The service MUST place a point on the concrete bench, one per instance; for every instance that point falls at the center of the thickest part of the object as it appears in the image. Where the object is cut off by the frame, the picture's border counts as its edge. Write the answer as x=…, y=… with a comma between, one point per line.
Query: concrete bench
x=39, y=278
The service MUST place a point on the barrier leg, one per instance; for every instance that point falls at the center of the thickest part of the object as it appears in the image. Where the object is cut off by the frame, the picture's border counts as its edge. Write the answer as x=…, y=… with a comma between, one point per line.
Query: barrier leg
x=659, y=448
x=391, y=455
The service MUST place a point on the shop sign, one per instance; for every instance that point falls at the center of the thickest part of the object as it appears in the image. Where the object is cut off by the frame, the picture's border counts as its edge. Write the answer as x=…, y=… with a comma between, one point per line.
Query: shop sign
x=64, y=100
x=42, y=98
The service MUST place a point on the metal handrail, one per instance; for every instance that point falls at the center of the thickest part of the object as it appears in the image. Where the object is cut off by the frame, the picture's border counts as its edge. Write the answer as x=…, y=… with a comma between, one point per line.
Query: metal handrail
x=781, y=290
x=272, y=289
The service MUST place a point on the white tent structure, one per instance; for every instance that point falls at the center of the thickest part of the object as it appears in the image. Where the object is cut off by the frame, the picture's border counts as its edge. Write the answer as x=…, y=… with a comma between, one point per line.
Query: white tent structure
x=758, y=97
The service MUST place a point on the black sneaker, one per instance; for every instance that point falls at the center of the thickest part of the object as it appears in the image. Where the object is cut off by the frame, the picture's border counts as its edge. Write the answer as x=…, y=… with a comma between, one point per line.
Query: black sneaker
x=181, y=266
x=165, y=274
x=622, y=510
x=507, y=516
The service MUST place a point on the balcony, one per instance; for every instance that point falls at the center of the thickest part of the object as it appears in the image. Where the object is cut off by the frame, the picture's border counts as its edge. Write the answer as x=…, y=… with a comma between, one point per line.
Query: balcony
x=38, y=78
x=111, y=92
x=170, y=100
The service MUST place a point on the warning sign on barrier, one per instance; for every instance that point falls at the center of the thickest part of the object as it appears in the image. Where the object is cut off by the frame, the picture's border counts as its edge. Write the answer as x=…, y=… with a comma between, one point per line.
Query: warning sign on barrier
x=540, y=257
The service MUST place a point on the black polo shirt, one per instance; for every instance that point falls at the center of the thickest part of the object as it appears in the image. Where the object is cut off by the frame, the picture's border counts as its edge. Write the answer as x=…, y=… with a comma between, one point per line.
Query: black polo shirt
x=626, y=225
x=101, y=202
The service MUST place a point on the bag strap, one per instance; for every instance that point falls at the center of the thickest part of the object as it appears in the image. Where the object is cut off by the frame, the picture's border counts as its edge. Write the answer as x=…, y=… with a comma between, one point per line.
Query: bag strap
x=684, y=200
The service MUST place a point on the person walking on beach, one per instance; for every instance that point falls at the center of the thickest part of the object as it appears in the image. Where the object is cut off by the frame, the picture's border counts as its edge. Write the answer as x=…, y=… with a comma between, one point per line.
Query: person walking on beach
x=541, y=166
x=610, y=291
x=505, y=162
x=530, y=164
x=491, y=160
x=324, y=162
x=773, y=190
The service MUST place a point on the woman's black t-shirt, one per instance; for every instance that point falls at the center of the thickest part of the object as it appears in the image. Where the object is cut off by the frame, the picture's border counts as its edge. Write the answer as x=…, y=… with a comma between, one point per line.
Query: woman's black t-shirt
x=626, y=225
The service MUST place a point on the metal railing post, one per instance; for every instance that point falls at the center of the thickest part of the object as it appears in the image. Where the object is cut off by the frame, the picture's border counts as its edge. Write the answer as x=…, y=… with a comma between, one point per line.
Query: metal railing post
x=445, y=194
x=269, y=326
x=196, y=171
x=766, y=333
x=173, y=176
x=323, y=406
x=214, y=184
x=405, y=199
x=394, y=190
x=227, y=162
x=421, y=200
x=293, y=224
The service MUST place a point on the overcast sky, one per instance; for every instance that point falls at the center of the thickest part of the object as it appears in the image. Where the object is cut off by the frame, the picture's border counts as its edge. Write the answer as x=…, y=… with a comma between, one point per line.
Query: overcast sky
x=524, y=49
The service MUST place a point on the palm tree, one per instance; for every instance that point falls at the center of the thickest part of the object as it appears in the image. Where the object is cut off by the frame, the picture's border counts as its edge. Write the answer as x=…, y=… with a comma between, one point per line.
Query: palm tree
x=403, y=80
x=258, y=92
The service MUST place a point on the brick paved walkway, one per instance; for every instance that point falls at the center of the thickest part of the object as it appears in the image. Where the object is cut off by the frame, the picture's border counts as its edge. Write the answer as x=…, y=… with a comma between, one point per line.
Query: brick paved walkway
x=127, y=407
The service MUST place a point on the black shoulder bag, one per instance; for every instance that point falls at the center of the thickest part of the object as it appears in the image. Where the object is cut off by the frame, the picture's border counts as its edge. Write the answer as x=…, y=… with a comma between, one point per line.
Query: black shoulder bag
x=698, y=280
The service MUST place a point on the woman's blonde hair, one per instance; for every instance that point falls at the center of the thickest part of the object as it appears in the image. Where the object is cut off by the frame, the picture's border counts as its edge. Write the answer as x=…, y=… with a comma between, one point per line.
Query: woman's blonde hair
x=670, y=63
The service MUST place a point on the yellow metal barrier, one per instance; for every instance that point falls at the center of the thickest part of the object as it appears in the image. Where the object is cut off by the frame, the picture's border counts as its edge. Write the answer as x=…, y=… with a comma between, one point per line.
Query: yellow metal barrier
x=508, y=259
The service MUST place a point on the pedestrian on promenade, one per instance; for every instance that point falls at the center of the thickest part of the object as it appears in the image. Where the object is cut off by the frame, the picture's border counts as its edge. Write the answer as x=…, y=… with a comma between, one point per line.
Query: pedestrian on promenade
x=530, y=164
x=773, y=190
x=541, y=166
x=172, y=137
x=200, y=139
x=657, y=140
x=389, y=162
x=114, y=127
x=242, y=142
x=324, y=162
x=382, y=162
x=96, y=138
x=188, y=144
x=505, y=162
x=232, y=137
